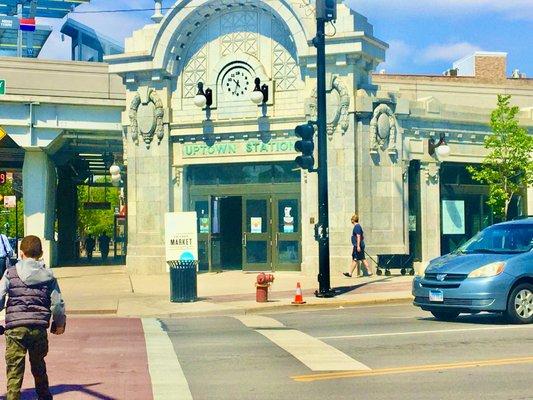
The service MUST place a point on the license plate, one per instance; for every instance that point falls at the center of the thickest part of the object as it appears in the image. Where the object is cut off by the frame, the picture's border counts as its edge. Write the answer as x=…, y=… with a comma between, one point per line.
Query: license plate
x=436, y=295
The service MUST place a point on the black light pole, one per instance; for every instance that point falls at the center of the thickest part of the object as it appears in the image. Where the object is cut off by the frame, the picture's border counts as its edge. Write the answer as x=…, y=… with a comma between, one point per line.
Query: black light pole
x=322, y=231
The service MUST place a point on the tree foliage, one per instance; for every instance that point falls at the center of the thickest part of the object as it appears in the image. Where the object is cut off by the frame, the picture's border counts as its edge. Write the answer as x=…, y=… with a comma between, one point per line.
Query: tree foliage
x=508, y=168
x=7, y=215
x=96, y=221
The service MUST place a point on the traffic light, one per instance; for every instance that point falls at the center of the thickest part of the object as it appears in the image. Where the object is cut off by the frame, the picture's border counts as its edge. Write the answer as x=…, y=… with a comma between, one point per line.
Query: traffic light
x=305, y=146
x=326, y=10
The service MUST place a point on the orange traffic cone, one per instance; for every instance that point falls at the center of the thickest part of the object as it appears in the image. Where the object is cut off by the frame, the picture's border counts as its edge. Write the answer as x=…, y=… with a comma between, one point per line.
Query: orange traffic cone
x=298, y=297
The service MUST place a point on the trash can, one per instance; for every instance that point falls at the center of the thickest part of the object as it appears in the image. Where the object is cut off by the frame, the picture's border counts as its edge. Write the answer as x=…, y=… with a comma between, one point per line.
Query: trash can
x=183, y=281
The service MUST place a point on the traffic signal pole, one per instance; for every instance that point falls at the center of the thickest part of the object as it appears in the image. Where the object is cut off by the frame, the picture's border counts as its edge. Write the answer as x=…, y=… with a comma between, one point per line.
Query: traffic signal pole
x=322, y=230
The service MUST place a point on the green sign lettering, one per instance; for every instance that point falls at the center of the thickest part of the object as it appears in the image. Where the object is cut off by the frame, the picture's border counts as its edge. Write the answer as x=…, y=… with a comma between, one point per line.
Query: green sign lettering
x=251, y=147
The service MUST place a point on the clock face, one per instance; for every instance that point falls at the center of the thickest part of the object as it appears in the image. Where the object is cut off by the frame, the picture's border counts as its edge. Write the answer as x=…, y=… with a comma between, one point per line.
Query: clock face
x=237, y=82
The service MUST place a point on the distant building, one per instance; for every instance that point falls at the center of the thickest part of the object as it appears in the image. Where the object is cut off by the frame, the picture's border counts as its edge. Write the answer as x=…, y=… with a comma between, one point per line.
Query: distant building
x=20, y=35
x=87, y=44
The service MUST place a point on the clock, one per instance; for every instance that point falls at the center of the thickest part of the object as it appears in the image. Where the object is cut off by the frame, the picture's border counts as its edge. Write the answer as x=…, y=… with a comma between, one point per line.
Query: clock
x=237, y=83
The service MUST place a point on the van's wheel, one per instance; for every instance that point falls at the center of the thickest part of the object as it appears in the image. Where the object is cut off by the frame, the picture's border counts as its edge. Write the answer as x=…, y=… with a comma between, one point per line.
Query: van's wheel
x=445, y=315
x=403, y=271
x=520, y=304
x=379, y=272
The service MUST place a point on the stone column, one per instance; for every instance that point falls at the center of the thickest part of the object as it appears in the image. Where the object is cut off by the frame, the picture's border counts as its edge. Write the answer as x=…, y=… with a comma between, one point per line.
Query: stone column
x=67, y=216
x=149, y=181
x=309, y=216
x=39, y=183
x=179, y=194
x=430, y=210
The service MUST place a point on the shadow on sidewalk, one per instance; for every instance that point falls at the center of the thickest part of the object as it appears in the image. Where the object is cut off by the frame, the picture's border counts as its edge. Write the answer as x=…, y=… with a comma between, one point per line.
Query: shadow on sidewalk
x=29, y=394
x=347, y=289
x=95, y=262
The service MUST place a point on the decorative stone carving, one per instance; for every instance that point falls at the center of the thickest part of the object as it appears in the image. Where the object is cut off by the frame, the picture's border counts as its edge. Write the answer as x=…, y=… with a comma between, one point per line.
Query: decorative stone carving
x=341, y=117
x=195, y=71
x=285, y=69
x=146, y=118
x=239, y=33
x=383, y=130
x=308, y=7
x=338, y=102
x=431, y=171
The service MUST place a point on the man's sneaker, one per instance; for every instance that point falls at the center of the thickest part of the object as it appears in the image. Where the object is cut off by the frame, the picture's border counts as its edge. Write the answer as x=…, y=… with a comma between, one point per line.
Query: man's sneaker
x=347, y=274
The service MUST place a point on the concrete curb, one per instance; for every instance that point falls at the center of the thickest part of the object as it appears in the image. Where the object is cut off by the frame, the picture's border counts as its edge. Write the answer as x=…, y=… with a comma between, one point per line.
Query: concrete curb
x=328, y=305
x=91, y=312
x=274, y=308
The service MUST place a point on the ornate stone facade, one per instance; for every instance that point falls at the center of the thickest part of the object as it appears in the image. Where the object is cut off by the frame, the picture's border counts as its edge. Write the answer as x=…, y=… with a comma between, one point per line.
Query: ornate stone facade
x=338, y=103
x=383, y=130
x=377, y=131
x=146, y=117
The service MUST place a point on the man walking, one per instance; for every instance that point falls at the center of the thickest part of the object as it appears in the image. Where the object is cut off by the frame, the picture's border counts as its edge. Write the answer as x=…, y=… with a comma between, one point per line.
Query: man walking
x=33, y=298
x=90, y=243
x=358, y=252
x=6, y=251
x=103, y=244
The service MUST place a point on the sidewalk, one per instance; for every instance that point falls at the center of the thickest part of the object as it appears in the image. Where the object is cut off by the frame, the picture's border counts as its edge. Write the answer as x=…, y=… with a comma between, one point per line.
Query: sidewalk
x=110, y=290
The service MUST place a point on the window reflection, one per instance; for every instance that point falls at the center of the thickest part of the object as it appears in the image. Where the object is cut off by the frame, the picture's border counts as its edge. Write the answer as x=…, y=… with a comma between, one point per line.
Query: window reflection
x=230, y=174
x=288, y=252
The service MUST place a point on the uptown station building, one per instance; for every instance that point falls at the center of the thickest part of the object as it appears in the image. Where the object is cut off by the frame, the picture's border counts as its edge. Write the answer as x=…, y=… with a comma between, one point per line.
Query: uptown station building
x=233, y=161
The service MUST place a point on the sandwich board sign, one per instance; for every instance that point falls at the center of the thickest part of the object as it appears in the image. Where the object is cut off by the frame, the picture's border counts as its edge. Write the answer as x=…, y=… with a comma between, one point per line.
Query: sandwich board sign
x=181, y=237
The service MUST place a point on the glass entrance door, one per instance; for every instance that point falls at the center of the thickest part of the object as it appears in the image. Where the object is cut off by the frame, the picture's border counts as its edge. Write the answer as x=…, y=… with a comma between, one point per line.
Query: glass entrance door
x=256, y=233
x=287, y=243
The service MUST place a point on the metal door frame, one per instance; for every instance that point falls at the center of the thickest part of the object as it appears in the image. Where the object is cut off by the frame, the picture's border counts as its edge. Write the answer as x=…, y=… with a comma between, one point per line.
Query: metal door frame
x=264, y=236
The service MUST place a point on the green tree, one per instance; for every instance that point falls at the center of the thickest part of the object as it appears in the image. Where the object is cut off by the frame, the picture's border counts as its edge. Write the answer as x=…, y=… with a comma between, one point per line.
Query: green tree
x=508, y=168
x=97, y=221
x=7, y=215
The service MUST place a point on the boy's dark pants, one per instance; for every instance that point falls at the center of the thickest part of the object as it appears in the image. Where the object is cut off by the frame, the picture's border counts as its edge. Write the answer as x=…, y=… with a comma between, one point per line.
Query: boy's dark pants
x=18, y=341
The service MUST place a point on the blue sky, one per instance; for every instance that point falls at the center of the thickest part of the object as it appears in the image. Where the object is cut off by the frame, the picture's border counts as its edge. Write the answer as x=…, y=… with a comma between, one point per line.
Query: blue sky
x=425, y=36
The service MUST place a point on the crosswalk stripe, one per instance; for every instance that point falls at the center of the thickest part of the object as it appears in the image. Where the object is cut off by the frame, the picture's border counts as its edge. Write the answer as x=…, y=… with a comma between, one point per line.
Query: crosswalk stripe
x=259, y=322
x=168, y=380
x=315, y=354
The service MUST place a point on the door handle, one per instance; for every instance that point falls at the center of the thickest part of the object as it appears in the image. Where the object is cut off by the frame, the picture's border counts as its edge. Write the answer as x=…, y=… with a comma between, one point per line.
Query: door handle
x=244, y=239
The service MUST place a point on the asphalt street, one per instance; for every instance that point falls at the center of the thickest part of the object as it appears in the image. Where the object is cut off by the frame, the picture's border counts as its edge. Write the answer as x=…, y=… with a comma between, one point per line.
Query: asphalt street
x=407, y=355
x=374, y=352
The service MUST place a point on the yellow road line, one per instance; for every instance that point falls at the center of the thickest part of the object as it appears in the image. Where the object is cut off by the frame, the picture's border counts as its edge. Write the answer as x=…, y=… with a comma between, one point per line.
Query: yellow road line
x=410, y=369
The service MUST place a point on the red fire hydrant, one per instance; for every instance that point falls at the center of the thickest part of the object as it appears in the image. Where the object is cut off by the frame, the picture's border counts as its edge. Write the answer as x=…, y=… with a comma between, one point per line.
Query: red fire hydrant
x=262, y=284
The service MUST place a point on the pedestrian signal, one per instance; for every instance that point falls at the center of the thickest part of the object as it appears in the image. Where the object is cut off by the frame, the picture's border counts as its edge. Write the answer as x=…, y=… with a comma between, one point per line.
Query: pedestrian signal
x=326, y=10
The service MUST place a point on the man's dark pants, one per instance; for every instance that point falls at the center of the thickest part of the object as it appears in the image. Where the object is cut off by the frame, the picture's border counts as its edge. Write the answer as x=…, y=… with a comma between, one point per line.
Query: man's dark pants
x=35, y=342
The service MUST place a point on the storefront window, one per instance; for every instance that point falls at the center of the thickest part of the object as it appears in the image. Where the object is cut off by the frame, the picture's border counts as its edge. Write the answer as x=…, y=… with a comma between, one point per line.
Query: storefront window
x=256, y=252
x=233, y=174
x=464, y=209
x=288, y=252
x=288, y=216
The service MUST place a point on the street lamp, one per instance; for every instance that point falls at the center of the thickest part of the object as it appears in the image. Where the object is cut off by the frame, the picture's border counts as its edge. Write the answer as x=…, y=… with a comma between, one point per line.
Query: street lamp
x=441, y=149
x=260, y=93
x=116, y=177
x=203, y=99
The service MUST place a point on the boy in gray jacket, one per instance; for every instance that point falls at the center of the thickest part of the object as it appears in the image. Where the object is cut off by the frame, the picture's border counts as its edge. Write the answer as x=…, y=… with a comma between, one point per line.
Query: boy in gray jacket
x=33, y=298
